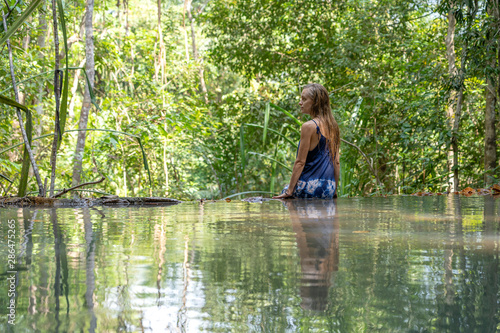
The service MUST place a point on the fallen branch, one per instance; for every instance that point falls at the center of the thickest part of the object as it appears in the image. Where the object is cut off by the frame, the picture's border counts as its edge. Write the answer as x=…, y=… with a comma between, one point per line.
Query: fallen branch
x=366, y=158
x=77, y=186
x=110, y=200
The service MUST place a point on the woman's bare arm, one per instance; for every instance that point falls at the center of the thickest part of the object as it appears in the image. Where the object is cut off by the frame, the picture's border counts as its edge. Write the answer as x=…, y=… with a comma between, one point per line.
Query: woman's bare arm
x=336, y=168
x=306, y=132
x=336, y=171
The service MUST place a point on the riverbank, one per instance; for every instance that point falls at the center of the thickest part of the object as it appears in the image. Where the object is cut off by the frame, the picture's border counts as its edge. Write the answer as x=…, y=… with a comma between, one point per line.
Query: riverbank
x=86, y=202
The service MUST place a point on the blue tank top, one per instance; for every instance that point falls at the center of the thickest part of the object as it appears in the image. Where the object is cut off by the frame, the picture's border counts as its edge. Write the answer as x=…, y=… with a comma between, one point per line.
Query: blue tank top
x=317, y=179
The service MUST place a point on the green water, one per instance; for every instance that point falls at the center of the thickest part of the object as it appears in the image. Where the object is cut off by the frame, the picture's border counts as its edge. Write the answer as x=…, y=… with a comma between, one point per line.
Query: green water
x=403, y=264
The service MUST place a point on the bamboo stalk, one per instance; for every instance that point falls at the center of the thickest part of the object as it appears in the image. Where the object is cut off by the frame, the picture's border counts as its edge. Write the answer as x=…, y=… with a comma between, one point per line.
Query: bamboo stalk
x=57, y=130
x=27, y=145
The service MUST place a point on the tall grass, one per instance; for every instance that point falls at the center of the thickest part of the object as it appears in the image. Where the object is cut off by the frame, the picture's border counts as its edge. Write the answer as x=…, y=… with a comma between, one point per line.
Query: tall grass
x=281, y=137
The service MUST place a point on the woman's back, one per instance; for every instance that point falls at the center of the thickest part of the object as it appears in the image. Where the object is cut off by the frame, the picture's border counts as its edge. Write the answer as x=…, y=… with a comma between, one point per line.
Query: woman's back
x=315, y=172
x=317, y=179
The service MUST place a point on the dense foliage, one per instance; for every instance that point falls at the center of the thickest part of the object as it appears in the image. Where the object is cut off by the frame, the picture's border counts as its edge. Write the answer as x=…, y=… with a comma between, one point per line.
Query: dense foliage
x=385, y=63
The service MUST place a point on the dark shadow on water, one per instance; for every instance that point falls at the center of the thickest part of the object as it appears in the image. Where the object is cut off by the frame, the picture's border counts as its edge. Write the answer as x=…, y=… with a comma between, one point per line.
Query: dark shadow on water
x=316, y=228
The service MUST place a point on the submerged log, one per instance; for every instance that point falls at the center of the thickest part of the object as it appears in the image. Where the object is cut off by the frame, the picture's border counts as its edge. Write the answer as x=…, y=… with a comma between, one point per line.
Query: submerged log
x=86, y=202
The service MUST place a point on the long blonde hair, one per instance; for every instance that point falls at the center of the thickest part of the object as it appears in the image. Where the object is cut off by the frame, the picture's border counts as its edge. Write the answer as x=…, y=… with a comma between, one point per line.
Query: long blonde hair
x=321, y=109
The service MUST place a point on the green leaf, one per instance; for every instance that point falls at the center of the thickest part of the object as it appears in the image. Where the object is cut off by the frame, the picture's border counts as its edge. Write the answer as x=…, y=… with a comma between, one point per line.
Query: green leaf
x=6, y=178
x=242, y=147
x=64, y=98
x=145, y=161
x=287, y=113
x=20, y=20
x=266, y=123
x=275, y=156
x=162, y=131
x=11, y=102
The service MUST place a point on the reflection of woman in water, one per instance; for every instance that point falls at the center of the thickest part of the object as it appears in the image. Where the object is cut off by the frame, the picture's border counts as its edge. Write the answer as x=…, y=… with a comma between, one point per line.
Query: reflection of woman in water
x=315, y=173
x=316, y=230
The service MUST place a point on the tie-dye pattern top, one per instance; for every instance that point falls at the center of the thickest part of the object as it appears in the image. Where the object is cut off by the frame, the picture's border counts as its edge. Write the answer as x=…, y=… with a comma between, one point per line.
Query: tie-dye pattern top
x=317, y=179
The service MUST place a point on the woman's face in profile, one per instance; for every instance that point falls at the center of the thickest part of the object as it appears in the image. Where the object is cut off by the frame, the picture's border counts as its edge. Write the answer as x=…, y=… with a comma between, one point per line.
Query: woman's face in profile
x=305, y=102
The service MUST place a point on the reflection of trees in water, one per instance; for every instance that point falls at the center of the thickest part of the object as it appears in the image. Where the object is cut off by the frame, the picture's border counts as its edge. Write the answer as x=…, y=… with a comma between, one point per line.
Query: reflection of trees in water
x=470, y=291
x=396, y=278
x=489, y=306
x=27, y=251
x=316, y=228
x=490, y=222
x=467, y=295
x=161, y=240
x=454, y=242
x=182, y=319
x=61, y=262
x=90, y=241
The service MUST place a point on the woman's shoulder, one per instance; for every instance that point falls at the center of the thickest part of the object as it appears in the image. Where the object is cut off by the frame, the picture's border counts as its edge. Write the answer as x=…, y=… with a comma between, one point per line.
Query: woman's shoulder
x=309, y=125
x=308, y=128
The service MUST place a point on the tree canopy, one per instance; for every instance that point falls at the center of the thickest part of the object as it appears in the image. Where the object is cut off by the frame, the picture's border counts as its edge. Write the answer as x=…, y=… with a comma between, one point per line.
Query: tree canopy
x=199, y=99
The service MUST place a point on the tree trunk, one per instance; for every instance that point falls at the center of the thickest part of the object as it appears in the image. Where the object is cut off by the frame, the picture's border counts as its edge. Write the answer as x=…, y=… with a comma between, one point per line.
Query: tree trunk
x=457, y=78
x=38, y=106
x=165, y=166
x=27, y=38
x=490, y=136
x=472, y=10
x=193, y=39
x=71, y=107
x=454, y=138
x=160, y=66
x=84, y=115
x=195, y=52
x=57, y=93
x=125, y=7
x=132, y=71
x=186, y=43
x=452, y=70
x=26, y=44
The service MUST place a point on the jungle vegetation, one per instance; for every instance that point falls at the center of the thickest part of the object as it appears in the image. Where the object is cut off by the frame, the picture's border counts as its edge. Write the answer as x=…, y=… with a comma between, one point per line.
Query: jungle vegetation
x=198, y=99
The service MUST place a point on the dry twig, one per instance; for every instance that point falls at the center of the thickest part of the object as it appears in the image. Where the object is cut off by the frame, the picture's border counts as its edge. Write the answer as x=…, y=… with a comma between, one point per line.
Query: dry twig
x=77, y=186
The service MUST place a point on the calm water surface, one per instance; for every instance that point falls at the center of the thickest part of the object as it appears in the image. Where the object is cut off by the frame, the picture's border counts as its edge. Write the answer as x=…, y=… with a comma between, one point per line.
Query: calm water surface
x=403, y=264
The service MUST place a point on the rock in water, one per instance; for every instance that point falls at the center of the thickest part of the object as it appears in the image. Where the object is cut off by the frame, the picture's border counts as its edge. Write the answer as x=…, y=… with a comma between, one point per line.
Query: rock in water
x=256, y=199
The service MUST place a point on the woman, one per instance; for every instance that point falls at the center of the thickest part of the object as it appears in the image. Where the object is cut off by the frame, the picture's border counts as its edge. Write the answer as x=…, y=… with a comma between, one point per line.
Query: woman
x=315, y=173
